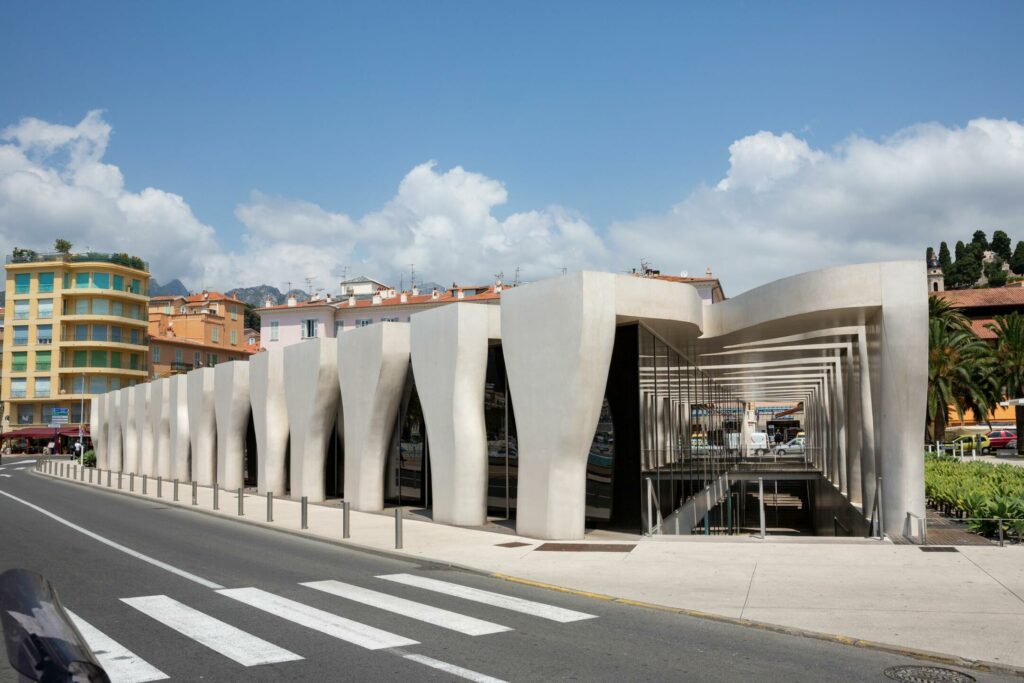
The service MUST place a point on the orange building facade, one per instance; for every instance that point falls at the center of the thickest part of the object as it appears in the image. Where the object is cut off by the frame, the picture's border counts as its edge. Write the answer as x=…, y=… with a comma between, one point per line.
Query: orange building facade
x=195, y=331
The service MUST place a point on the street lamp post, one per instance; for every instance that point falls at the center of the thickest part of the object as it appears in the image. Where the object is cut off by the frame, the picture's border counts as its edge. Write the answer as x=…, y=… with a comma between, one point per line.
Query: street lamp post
x=81, y=419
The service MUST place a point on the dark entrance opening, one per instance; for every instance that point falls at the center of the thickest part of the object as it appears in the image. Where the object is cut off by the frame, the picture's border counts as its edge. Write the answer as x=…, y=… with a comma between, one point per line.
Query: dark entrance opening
x=334, y=463
x=408, y=470
x=502, y=447
x=250, y=460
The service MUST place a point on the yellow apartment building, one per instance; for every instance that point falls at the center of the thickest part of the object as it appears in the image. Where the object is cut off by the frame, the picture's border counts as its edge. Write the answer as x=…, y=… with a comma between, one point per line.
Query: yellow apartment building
x=74, y=326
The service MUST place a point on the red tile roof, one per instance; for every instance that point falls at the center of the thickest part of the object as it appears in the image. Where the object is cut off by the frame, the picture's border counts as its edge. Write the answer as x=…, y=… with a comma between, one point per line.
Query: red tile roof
x=982, y=332
x=995, y=296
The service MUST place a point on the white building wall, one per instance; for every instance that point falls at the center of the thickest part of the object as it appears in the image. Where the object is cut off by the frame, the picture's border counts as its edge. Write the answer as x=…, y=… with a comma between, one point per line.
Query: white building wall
x=231, y=404
x=177, y=424
x=311, y=392
x=270, y=418
x=202, y=426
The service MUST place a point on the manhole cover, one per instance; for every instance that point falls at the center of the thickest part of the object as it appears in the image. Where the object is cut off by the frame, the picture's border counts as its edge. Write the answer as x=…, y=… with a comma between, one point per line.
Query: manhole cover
x=927, y=674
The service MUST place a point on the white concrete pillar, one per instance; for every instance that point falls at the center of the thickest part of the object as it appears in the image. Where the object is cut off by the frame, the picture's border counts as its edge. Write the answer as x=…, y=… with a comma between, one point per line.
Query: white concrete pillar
x=853, y=427
x=129, y=433
x=868, y=459
x=903, y=348
x=231, y=404
x=841, y=434
x=202, y=426
x=311, y=392
x=557, y=338
x=112, y=420
x=177, y=424
x=97, y=407
x=449, y=360
x=269, y=418
x=159, y=425
x=373, y=363
x=143, y=429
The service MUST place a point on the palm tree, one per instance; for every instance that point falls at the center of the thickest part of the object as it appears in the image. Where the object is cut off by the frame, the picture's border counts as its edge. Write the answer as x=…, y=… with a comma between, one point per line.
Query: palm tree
x=959, y=372
x=1009, y=362
x=952, y=318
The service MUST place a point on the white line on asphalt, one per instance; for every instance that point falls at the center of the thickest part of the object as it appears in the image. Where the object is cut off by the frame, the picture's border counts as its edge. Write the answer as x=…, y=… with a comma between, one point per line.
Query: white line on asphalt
x=537, y=609
x=117, y=546
x=468, y=674
x=339, y=627
x=19, y=468
x=454, y=621
x=23, y=462
x=224, y=639
x=5, y=475
x=121, y=664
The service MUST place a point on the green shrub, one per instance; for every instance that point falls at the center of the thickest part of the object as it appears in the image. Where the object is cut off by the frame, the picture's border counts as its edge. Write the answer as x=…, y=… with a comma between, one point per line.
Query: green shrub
x=89, y=458
x=976, y=489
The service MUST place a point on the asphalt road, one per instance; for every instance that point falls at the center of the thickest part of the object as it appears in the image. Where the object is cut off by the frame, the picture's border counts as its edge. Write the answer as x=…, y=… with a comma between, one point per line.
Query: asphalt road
x=615, y=643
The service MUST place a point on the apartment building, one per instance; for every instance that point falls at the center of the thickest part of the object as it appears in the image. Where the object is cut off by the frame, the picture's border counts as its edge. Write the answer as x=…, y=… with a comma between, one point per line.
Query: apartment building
x=195, y=331
x=75, y=326
x=325, y=316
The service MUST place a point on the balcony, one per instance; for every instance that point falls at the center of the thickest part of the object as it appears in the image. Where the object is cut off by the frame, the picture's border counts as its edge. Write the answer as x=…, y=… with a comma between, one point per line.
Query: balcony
x=179, y=368
x=29, y=256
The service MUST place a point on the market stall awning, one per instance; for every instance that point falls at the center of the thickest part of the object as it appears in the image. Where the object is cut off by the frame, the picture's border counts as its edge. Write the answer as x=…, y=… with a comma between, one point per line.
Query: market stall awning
x=43, y=432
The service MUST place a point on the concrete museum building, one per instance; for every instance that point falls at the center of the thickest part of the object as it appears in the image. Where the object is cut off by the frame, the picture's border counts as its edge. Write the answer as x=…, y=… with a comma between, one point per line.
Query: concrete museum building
x=587, y=400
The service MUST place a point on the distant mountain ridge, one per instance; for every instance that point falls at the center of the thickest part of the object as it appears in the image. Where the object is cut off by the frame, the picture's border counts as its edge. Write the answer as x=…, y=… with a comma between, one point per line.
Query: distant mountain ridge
x=172, y=288
x=257, y=296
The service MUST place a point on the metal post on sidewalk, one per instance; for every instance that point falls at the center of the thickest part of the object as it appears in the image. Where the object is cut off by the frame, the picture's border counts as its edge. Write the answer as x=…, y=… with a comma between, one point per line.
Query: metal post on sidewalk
x=345, y=529
x=108, y=479
x=999, y=524
x=119, y=480
x=175, y=490
x=305, y=512
x=398, y=528
x=159, y=487
x=241, y=502
x=90, y=475
x=216, y=497
x=131, y=482
x=143, y=484
x=195, y=493
x=270, y=506
x=760, y=500
x=881, y=517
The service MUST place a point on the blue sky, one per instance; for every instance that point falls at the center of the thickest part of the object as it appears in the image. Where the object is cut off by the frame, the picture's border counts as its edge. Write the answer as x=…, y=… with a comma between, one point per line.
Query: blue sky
x=615, y=112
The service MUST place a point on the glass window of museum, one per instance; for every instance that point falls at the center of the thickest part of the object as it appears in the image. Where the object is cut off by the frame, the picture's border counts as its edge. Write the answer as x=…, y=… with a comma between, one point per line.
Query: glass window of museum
x=82, y=321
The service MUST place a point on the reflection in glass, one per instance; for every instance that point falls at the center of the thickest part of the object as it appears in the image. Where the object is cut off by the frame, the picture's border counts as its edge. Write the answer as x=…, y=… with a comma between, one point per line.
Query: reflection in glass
x=502, y=451
x=408, y=472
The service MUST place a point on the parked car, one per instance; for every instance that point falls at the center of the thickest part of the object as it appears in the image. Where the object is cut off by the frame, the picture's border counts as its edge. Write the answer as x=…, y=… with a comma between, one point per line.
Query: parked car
x=1000, y=438
x=972, y=443
x=791, y=447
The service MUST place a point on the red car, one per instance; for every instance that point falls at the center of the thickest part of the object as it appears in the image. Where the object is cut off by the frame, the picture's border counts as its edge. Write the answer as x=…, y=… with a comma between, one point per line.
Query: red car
x=1001, y=438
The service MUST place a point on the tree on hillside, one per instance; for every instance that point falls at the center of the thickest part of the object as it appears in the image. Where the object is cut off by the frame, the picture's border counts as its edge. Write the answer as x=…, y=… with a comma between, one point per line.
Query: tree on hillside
x=959, y=250
x=944, y=259
x=1001, y=245
x=252, y=319
x=62, y=246
x=1017, y=260
x=994, y=273
x=959, y=368
x=1009, y=363
x=979, y=238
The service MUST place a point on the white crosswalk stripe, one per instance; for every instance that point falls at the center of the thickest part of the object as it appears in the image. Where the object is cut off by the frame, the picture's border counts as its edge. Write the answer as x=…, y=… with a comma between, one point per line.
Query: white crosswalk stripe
x=331, y=624
x=121, y=664
x=537, y=609
x=233, y=643
x=467, y=674
x=414, y=610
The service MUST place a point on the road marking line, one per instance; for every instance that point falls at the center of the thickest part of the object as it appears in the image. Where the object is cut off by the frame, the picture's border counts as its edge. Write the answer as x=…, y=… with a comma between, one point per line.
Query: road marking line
x=18, y=469
x=121, y=664
x=222, y=638
x=468, y=674
x=537, y=609
x=23, y=462
x=5, y=475
x=117, y=546
x=454, y=621
x=333, y=625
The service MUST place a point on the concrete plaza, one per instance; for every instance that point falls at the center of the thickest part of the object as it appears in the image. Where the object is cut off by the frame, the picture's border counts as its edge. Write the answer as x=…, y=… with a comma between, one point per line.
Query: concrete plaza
x=968, y=603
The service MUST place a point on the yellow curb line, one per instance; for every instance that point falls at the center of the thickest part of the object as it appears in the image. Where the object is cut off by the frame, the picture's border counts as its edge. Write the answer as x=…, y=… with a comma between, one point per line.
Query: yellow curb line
x=914, y=653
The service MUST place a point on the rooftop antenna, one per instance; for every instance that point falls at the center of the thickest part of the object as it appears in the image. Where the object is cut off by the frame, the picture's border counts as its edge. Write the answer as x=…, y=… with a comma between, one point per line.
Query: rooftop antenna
x=412, y=275
x=516, y=282
x=344, y=273
x=401, y=282
x=289, y=285
x=309, y=283
x=564, y=269
x=499, y=276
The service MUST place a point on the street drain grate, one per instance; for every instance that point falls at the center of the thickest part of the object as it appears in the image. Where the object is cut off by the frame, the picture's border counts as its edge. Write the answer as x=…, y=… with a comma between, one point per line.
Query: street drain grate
x=927, y=674
x=938, y=549
x=587, y=547
x=512, y=544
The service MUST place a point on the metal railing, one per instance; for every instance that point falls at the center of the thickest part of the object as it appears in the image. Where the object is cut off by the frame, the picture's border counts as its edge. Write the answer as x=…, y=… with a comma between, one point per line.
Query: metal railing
x=922, y=527
x=1006, y=527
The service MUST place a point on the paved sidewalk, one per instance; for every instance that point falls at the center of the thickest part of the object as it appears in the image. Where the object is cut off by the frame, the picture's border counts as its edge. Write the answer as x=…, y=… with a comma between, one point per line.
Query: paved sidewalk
x=968, y=603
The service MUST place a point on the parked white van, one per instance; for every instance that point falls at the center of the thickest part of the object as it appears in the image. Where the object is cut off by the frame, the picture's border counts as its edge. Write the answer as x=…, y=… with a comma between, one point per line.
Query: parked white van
x=757, y=444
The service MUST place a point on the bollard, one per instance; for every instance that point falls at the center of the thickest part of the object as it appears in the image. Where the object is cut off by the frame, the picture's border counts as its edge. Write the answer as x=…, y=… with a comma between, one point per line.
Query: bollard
x=119, y=480
x=999, y=523
x=195, y=493
x=270, y=506
x=90, y=475
x=175, y=490
x=108, y=479
x=241, y=502
x=305, y=512
x=131, y=482
x=81, y=473
x=345, y=519
x=216, y=497
x=143, y=484
x=159, y=487
x=398, y=528
x=760, y=502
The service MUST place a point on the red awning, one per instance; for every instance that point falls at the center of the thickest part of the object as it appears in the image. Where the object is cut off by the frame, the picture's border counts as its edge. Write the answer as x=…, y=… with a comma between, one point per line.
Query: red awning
x=43, y=432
